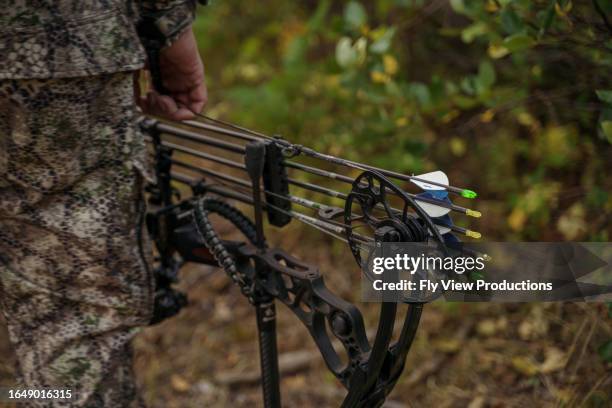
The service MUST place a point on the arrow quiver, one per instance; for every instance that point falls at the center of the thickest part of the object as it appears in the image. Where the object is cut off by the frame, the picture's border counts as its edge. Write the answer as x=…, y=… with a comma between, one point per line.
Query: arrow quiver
x=277, y=186
x=184, y=231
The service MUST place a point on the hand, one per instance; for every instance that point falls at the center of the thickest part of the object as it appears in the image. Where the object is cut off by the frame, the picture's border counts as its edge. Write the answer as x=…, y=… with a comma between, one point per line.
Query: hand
x=182, y=74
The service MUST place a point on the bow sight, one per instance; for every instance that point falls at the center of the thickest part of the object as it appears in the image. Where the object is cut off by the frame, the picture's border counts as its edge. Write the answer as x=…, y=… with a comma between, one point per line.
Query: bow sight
x=375, y=210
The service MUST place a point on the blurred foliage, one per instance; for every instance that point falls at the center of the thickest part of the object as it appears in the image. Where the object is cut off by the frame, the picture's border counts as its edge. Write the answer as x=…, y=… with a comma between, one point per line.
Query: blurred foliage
x=510, y=97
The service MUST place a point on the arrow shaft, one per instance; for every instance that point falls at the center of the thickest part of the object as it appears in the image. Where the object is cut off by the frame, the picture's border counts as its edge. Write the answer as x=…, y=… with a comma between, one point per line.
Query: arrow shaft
x=337, y=227
x=325, y=226
x=246, y=134
x=308, y=169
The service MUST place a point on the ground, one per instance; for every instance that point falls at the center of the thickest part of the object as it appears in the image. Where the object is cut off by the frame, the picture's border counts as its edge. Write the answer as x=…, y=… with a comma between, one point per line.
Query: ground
x=476, y=355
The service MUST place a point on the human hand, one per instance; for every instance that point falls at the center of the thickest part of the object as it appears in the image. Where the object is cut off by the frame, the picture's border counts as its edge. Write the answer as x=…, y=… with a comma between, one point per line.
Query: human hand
x=182, y=76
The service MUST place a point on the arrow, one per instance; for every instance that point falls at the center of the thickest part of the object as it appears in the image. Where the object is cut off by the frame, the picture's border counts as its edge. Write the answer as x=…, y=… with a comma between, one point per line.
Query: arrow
x=435, y=186
x=292, y=150
x=438, y=181
x=434, y=207
x=444, y=223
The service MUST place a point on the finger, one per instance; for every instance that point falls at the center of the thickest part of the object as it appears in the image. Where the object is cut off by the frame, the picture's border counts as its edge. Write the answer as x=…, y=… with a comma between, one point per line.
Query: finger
x=194, y=100
x=182, y=98
x=198, y=98
x=168, y=108
x=155, y=104
x=167, y=104
x=164, y=106
x=183, y=114
x=197, y=106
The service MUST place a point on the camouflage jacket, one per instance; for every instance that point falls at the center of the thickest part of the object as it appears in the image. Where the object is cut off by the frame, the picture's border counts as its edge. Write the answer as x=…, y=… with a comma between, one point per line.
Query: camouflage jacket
x=72, y=38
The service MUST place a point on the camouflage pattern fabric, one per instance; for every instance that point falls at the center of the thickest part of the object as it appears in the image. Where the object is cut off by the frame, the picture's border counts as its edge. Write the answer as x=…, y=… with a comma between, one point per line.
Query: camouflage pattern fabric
x=70, y=38
x=74, y=280
x=170, y=19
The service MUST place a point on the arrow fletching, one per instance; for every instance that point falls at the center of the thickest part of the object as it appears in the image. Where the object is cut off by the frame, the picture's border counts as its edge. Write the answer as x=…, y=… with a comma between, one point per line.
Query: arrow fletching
x=443, y=230
x=433, y=210
x=438, y=177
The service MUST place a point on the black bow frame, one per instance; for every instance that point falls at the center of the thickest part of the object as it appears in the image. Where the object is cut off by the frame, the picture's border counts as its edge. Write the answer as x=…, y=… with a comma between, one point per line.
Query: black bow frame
x=183, y=232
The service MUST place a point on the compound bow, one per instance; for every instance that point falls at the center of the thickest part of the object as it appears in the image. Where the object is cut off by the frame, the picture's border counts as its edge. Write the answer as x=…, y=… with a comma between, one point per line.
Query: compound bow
x=374, y=210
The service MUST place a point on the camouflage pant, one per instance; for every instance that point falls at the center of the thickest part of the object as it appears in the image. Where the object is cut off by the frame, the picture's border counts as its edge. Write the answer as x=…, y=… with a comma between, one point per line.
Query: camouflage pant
x=74, y=280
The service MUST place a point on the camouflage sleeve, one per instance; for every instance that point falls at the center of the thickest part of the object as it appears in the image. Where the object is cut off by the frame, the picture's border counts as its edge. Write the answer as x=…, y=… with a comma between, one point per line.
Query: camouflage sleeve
x=166, y=18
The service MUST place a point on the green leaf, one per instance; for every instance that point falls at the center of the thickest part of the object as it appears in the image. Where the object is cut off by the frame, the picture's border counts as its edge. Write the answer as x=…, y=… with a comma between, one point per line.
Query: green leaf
x=497, y=50
x=606, y=5
x=383, y=44
x=317, y=21
x=597, y=198
x=471, y=32
x=605, y=351
x=465, y=102
x=346, y=55
x=606, y=128
x=486, y=74
x=468, y=85
x=458, y=5
x=518, y=42
x=604, y=95
x=361, y=48
x=476, y=276
x=294, y=55
x=420, y=92
x=351, y=55
x=510, y=21
x=548, y=18
x=355, y=15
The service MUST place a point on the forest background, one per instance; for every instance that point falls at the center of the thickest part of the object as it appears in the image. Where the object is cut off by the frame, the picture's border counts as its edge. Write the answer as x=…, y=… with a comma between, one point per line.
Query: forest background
x=512, y=98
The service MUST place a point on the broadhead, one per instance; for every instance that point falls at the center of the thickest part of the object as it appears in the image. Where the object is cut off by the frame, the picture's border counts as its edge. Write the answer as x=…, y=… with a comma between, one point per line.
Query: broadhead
x=468, y=193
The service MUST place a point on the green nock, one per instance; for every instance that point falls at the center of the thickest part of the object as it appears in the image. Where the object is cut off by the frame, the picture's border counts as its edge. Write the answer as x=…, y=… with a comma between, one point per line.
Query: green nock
x=468, y=193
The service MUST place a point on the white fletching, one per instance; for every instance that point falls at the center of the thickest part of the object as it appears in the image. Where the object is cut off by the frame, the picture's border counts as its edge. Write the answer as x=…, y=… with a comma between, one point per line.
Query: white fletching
x=436, y=176
x=443, y=230
x=433, y=210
